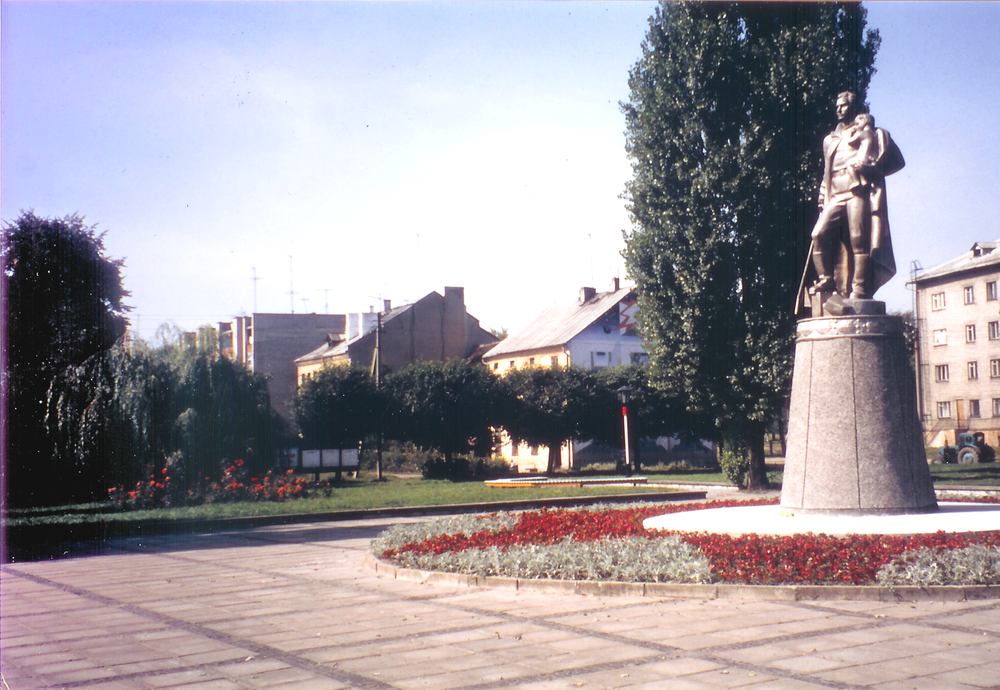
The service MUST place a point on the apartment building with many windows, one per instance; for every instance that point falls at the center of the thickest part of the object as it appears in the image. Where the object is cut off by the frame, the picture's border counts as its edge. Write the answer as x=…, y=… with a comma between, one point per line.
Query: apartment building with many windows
x=958, y=346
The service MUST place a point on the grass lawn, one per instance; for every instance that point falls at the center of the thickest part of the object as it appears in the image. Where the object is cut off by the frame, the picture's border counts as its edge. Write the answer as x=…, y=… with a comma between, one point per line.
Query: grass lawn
x=977, y=474
x=367, y=493
x=360, y=494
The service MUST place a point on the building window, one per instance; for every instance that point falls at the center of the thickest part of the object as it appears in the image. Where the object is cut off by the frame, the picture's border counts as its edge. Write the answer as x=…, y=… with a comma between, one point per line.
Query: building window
x=496, y=365
x=554, y=361
x=995, y=368
x=515, y=449
x=974, y=409
x=970, y=294
x=937, y=301
x=534, y=450
x=941, y=372
x=531, y=360
x=511, y=365
x=941, y=336
x=991, y=290
x=996, y=407
x=973, y=370
x=994, y=330
x=970, y=333
x=944, y=410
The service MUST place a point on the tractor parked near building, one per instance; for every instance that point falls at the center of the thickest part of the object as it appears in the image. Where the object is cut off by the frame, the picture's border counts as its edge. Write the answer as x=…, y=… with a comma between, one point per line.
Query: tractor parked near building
x=971, y=447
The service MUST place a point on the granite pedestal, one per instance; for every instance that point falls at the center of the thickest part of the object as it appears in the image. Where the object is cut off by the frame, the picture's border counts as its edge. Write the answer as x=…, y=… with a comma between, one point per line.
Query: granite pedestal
x=855, y=445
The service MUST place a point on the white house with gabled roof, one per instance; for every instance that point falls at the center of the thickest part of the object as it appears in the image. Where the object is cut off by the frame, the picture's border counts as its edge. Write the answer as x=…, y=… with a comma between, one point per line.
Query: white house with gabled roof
x=596, y=331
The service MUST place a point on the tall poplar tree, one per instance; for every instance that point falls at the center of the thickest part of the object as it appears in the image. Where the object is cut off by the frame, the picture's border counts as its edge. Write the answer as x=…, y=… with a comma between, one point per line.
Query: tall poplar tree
x=729, y=106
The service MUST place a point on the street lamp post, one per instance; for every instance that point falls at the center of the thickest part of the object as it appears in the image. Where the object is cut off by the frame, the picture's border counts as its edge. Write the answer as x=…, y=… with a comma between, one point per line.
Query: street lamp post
x=625, y=397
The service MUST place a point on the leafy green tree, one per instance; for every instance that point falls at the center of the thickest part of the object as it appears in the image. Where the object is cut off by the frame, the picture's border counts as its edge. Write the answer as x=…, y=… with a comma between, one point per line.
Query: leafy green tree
x=553, y=405
x=62, y=303
x=910, y=335
x=451, y=407
x=729, y=105
x=652, y=411
x=224, y=413
x=336, y=408
x=131, y=410
x=110, y=419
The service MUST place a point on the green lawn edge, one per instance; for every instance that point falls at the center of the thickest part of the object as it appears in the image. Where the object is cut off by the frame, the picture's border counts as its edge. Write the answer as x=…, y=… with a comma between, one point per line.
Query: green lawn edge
x=368, y=494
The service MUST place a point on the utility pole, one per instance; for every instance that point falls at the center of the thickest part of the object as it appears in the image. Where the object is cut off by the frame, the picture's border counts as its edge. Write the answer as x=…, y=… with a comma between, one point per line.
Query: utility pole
x=377, y=375
x=915, y=269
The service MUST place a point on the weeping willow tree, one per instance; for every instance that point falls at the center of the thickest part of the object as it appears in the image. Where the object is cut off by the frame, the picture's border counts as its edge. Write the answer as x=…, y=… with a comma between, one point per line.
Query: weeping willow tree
x=132, y=411
x=110, y=419
x=729, y=104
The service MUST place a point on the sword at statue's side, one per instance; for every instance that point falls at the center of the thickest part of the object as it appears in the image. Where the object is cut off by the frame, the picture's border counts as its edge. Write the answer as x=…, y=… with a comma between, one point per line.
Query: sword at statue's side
x=802, y=283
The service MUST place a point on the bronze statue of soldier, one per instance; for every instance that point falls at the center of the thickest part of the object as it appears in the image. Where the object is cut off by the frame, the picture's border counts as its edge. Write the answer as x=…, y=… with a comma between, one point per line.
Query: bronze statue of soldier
x=851, y=248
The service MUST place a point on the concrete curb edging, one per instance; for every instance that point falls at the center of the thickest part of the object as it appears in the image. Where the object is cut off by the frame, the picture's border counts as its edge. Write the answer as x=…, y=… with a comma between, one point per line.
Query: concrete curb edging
x=689, y=591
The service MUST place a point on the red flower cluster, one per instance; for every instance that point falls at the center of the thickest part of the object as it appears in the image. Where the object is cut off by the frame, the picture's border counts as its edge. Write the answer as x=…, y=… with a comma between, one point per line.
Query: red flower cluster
x=550, y=526
x=234, y=486
x=746, y=559
x=816, y=558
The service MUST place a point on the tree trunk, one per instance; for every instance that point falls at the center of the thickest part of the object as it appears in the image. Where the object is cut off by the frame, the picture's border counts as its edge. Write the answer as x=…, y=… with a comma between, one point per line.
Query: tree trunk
x=555, y=457
x=756, y=470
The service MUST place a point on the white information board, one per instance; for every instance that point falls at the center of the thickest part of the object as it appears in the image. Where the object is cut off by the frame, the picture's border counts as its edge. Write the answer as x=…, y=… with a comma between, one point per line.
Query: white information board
x=310, y=458
x=350, y=457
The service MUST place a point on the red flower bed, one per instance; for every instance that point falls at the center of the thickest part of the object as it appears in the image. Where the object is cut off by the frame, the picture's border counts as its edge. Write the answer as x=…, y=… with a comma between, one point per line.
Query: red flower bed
x=816, y=558
x=746, y=559
x=235, y=485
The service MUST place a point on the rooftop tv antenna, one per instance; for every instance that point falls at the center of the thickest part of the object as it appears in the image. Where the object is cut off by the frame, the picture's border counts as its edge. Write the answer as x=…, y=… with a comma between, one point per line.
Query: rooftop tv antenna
x=590, y=241
x=291, y=289
x=326, y=299
x=254, y=279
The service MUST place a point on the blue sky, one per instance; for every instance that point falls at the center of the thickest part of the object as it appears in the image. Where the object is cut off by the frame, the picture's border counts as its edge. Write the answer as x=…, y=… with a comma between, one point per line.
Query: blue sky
x=391, y=149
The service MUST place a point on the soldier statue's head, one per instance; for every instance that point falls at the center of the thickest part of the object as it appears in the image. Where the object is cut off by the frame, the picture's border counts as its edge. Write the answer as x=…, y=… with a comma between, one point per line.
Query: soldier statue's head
x=845, y=106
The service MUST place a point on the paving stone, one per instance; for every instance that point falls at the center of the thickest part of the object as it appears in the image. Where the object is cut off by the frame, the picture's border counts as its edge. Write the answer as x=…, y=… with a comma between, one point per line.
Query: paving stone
x=300, y=603
x=982, y=676
x=925, y=683
x=864, y=674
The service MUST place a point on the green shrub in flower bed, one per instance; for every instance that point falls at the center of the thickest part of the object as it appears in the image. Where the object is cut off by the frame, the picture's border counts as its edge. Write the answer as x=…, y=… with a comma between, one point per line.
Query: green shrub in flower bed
x=610, y=543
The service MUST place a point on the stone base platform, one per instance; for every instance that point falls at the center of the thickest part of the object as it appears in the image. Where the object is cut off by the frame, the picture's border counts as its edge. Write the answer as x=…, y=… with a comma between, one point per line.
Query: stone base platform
x=775, y=520
x=854, y=440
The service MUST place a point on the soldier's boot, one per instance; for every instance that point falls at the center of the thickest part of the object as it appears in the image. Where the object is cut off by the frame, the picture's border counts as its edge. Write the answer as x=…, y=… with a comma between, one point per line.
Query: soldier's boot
x=824, y=280
x=860, y=281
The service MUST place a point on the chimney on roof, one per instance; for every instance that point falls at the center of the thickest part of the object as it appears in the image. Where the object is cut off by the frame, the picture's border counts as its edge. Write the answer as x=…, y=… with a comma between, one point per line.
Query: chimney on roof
x=615, y=285
x=587, y=294
x=386, y=305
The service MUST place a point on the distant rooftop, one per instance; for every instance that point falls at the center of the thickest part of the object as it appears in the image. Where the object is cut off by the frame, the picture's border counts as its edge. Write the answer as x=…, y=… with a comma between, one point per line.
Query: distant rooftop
x=560, y=323
x=334, y=347
x=982, y=254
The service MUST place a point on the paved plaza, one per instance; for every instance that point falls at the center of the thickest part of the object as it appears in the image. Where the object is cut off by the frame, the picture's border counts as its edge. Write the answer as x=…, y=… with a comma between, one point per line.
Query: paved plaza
x=299, y=608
